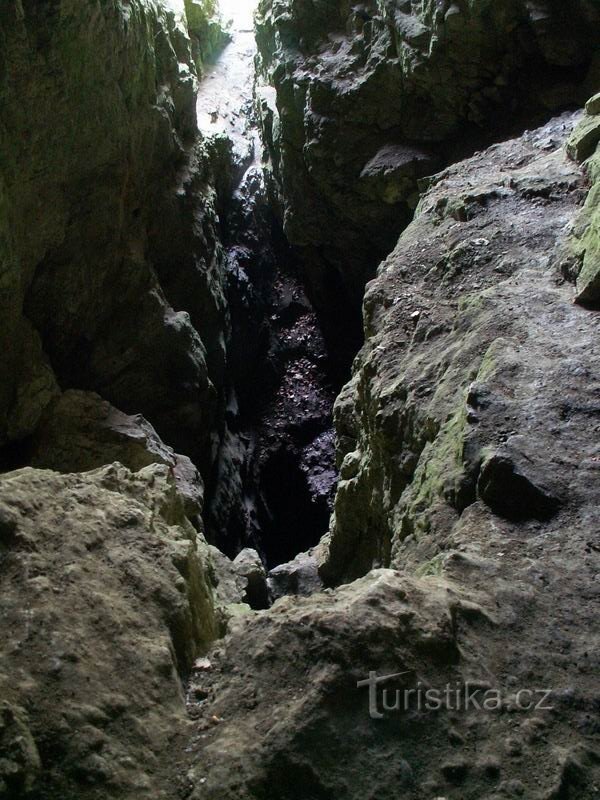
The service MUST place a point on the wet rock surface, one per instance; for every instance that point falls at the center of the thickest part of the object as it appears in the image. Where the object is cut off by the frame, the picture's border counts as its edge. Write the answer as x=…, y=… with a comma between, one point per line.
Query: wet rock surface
x=274, y=481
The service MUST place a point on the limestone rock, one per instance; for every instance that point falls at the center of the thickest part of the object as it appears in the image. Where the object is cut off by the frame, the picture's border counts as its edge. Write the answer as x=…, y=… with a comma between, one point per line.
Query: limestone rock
x=583, y=250
x=20, y=763
x=106, y=601
x=584, y=139
x=99, y=143
x=513, y=491
x=36, y=385
x=290, y=708
x=206, y=29
x=592, y=106
x=475, y=365
x=354, y=80
x=230, y=588
x=81, y=432
x=297, y=577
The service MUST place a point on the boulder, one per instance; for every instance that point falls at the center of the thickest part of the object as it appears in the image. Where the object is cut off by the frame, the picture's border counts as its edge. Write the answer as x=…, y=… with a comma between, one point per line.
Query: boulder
x=106, y=602
x=80, y=432
x=297, y=577
x=327, y=696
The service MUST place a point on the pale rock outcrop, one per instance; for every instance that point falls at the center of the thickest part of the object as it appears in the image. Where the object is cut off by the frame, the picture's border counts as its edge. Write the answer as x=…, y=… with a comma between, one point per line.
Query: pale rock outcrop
x=80, y=432
x=582, y=263
x=249, y=566
x=107, y=599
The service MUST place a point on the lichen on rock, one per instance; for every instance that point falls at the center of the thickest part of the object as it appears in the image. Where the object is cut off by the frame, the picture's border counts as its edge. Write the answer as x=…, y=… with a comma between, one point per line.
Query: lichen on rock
x=583, y=146
x=454, y=378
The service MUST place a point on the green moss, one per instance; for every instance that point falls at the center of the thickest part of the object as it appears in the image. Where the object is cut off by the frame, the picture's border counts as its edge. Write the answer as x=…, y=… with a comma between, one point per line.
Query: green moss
x=432, y=568
x=440, y=475
x=584, y=139
x=585, y=243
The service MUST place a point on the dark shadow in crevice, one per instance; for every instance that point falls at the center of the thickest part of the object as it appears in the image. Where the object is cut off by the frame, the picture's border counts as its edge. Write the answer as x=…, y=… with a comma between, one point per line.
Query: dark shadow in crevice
x=288, y=515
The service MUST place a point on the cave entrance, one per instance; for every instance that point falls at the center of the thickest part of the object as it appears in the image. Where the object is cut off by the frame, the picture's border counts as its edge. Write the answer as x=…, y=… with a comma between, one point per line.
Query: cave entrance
x=291, y=518
x=274, y=476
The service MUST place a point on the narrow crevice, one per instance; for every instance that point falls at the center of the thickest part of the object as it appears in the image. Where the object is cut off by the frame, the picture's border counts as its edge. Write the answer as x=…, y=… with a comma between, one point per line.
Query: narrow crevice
x=273, y=483
x=295, y=328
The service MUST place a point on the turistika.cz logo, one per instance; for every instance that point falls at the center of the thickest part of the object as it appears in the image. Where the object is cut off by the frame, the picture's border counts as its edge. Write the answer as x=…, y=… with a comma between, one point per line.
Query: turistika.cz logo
x=470, y=695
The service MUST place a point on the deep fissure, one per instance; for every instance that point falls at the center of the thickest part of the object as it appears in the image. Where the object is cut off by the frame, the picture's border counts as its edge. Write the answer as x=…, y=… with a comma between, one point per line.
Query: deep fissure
x=288, y=357
x=272, y=484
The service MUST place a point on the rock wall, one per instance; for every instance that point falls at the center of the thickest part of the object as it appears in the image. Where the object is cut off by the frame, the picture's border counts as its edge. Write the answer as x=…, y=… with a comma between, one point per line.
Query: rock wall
x=469, y=465
x=113, y=339
x=371, y=96
x=474, y=385
x=466, y=517
x=107, y=597
x=110, y=260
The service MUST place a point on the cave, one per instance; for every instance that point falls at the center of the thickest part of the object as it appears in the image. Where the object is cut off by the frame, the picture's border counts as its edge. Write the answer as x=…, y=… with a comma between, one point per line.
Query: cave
x=290, y=519
x=299, y=391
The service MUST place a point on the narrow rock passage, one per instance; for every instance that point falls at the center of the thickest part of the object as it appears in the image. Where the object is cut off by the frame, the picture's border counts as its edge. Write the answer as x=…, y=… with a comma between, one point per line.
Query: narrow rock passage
x=224, y=104
x=275, y=475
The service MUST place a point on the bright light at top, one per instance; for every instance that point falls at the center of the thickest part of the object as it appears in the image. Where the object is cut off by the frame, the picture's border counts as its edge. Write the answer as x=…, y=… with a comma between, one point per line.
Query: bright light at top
x=240, y=11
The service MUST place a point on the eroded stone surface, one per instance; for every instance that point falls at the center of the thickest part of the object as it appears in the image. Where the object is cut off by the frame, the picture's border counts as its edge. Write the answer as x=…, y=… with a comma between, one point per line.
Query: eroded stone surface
x=469, y=461
x=108, y=240
x=358, y=84
x=106, y=600
x=476, y=363
x=81, y=432
x=582, y=254
x=281, y=714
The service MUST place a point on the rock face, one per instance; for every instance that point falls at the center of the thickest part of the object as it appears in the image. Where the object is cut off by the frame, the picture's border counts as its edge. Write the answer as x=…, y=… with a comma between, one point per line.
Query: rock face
x=370, y=96
x=469, y=464
x=249, y=566
x=100, y=175
x=475, y=382
x=583, y=262
x=274, y=480
x=154, y=317
x=285, y=710
x=80, y=432
x=107, y=598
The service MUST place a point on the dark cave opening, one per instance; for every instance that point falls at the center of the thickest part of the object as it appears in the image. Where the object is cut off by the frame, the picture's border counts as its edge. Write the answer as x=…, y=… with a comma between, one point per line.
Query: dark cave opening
x=290, y=517
x=273, y=482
